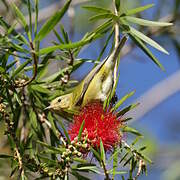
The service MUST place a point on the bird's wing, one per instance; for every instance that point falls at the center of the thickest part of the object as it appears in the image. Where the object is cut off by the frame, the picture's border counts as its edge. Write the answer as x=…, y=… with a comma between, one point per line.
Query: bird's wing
x=87, y=80
x=91, y=75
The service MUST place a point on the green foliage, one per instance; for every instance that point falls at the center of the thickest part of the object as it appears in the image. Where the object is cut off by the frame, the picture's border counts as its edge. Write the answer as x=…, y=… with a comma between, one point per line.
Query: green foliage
x=38, y=140
x=51, y=23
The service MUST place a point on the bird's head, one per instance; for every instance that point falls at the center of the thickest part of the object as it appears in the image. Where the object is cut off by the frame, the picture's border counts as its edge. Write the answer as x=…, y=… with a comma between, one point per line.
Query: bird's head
x=61, y=103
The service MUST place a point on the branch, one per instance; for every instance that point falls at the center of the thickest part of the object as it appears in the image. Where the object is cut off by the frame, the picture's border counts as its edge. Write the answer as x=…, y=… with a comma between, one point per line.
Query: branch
x=117, y=40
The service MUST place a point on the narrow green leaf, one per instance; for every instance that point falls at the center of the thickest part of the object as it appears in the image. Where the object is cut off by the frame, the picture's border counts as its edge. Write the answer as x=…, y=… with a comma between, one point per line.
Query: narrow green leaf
x=16, y=96
x=58, y=36
x=56, y=75
x=102, y=151
x=30, y=15
x=126, y=119
x=52, y=22
x=143, y=157
x=81, y=130
x=28, y=68
x=146, y=159
x=19, y=48
x=124, y=157
x=40, y=89
x=127, y=161
x=10, y=28
x=79, y=62
x=78, y=176
x=19, y=15
x=138, y=9
x=33, y=119
x=96, y=154
x=103, y=16
x=53, y=126
x=47, y=160
x=103, y=27
x=105, y=45
x=11, y=64
x=80, y=160
x=115, y=163
x=117, y=3
x=21, y=18
x=90, y=168
x=126, y=109
x=63, y=46
x=69, y=45
x=116, y=172
x=11, y=142
x=36, y=16
x=146, y=50
x=116, y=152
x=142, y=148
x=96, y=9
x=131, y=130
x=136, y=140
x=122, y=100
x=145, y=22
x=64, y=33
x=60, y=150
x=65, y=131
x=147, y=40
x=20, y=68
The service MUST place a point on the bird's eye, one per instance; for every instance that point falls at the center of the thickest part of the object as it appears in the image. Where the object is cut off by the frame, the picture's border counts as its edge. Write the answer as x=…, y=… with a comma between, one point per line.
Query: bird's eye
x=59, y=100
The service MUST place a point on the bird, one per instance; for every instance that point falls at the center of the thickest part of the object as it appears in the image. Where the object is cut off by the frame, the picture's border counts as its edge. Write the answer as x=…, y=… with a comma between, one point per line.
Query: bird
x=96, y=85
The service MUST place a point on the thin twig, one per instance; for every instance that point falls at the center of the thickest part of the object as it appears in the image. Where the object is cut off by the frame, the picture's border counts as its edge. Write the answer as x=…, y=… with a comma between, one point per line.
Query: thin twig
x=105, y=170
x=19, y=161
x=117, y=40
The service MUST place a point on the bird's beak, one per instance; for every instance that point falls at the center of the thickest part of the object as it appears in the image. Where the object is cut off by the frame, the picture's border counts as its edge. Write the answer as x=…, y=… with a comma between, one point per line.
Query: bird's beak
x=49, y=107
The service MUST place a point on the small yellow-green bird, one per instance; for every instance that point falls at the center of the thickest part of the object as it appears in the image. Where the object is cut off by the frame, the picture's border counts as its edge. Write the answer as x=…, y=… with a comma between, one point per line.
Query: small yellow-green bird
x=96, y=85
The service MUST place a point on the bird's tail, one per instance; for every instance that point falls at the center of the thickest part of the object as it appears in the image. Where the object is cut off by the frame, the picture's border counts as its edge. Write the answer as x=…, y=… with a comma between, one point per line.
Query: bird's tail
x=117, y=50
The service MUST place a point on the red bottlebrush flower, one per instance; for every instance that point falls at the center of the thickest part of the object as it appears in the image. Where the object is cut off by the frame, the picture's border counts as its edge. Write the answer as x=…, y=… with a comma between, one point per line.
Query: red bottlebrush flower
x=99, y=124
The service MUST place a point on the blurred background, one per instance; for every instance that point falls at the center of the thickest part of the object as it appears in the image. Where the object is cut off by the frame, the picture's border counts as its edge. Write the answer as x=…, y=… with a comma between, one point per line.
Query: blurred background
x=158, y=115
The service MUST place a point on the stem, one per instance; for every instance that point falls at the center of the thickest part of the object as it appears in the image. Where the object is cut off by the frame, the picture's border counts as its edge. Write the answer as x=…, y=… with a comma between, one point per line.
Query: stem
x=117, y=40
x=19, y=161
x=105, y=171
